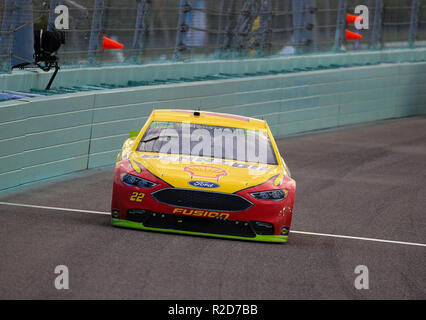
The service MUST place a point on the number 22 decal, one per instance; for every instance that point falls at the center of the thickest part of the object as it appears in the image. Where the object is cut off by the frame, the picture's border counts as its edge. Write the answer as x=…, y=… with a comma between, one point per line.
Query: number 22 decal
x=137, y=196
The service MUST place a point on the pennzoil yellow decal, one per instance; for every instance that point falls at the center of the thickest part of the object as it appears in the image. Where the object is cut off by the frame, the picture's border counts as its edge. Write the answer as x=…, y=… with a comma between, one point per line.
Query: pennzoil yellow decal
x=135, y=165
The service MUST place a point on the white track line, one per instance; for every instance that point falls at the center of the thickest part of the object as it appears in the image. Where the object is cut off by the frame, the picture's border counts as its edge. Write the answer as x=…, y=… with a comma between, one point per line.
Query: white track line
x=359, y=238
x=292, y=231
x=51, y=208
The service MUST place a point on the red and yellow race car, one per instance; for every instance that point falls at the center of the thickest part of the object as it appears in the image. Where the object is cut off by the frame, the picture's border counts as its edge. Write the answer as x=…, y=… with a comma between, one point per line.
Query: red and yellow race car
x=203, y=173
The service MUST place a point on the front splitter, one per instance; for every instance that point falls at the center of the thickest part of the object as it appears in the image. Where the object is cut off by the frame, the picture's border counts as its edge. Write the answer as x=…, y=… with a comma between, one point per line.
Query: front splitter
x=140, y=226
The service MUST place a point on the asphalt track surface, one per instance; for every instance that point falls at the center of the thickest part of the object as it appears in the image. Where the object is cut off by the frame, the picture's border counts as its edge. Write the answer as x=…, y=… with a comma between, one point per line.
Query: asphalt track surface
x=365, y=182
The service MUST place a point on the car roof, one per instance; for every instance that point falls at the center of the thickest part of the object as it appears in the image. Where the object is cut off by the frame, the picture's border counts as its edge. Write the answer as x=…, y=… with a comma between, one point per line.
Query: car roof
x=207, y=117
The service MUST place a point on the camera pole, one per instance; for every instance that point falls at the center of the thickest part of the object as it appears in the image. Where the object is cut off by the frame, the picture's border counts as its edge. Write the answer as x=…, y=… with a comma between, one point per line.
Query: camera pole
x=53, y=76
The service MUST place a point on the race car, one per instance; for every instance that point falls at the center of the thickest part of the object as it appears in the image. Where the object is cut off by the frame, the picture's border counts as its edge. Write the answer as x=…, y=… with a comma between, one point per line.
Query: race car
x=203, y=173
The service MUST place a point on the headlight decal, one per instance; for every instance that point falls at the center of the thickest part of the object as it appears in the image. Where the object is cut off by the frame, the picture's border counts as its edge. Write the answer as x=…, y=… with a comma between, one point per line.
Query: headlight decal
x=276, y=195
x=134, y=181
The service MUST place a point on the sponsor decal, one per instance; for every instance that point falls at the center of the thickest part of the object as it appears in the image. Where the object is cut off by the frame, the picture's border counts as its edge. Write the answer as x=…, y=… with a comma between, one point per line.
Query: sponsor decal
x=159, y=124
x=285, y=230
x=115, y=213
x=204, y=184
x=204, y=160
x=201, y=213
x=203, y=171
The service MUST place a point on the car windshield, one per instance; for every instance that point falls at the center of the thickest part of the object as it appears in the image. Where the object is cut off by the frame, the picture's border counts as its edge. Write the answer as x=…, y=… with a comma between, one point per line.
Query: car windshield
x=220, y=142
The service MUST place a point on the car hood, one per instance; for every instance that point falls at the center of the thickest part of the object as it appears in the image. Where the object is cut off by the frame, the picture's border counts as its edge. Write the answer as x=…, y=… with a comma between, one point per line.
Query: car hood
x=206, y=174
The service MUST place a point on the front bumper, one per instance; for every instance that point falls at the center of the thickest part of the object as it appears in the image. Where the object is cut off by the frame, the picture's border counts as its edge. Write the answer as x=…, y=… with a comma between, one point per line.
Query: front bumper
x=201, y=212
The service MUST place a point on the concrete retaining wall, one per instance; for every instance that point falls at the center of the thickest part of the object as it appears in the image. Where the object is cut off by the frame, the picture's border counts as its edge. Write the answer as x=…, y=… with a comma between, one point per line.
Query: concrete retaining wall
x=122, y=74
x=49, y=136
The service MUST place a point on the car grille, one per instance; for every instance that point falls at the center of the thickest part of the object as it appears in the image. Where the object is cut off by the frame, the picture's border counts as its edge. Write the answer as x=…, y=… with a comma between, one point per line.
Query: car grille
x=202, y=199
x=192, y=224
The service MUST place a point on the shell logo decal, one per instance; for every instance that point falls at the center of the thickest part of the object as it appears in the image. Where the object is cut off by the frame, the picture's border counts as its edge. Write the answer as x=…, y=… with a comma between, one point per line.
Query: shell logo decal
x=205, y=171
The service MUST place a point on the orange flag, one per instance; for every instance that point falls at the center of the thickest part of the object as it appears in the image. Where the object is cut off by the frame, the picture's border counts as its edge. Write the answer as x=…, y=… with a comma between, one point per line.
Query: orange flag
x=350, y=18
x=107, y=43
x=352, y=35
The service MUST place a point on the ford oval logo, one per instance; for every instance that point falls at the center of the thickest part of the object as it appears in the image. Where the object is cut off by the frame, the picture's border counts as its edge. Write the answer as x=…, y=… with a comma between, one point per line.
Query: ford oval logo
x=204, y=184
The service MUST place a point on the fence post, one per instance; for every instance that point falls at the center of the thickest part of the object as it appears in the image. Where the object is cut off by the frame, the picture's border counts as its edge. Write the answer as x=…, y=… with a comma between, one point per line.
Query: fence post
x=414, y=21
x=6, y=35
x=376, y=37
x=339, y=39
x=23, y=33
x=95, y=32
x=182, y=28
x=52, y=16
x=265, y=27
x=138, y=45
x=310, y=30
x=228, y=32
x=298, y=27
x=327, y=20
x=220, y=34
x=243, y=27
